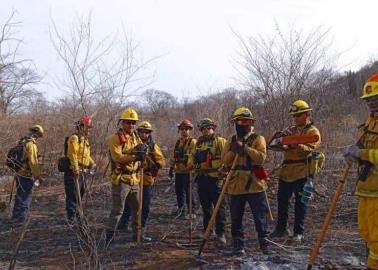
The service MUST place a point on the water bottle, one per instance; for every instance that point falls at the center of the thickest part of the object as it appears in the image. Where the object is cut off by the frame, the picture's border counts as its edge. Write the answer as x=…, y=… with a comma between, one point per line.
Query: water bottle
x=308, y=189
x=37, y=183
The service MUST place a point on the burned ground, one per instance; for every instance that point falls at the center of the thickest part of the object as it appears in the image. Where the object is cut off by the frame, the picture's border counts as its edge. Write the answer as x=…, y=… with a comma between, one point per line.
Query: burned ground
x=49, y=242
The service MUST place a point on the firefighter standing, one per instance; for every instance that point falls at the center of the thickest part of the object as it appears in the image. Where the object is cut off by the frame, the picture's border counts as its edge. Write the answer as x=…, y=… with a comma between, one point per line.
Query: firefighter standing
x=29, y=174
x=248, y=179
x=79, y=154
x=126, y=152
x=206, y=159
x=179, y=165
x=153, y=163
x=366, y=153
x=294, y=171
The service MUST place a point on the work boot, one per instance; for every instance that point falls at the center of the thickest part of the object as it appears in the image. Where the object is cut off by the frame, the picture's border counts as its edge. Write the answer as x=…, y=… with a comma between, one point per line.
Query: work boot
x=298, y=237
x=221, y=239
x=238, y=247
x=279, y=233
x=264, y=245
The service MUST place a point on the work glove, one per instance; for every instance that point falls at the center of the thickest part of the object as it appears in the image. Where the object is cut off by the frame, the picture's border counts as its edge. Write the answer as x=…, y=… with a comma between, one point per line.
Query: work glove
x=140, y=152
x=170, y=173
x=238, y=148
x=351, y=153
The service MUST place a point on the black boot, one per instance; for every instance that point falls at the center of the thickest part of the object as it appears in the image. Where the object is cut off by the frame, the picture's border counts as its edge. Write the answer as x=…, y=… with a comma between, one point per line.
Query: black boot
x=238, y=247
x=264, y=245
x=278, y=232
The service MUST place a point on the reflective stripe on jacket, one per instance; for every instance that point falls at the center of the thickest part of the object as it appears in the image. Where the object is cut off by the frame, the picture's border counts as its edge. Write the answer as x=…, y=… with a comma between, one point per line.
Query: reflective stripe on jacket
x=31, y=166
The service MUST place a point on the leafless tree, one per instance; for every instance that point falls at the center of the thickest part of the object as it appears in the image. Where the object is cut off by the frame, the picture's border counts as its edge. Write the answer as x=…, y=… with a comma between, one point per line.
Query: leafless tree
x=286, y=66
x=18, y=75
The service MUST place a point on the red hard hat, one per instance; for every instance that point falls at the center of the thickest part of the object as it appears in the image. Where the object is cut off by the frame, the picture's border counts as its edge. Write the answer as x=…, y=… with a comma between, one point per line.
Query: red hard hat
x=85, y=121
x=185, y=123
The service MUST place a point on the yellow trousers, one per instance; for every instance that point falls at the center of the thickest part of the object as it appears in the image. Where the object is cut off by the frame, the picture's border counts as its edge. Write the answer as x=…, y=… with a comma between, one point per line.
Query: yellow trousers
x=368, y=226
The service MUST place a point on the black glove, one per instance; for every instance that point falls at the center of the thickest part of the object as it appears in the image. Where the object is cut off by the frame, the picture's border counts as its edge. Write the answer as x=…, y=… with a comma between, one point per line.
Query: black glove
x=140, y=152
x=170, y=173
x=237, y=148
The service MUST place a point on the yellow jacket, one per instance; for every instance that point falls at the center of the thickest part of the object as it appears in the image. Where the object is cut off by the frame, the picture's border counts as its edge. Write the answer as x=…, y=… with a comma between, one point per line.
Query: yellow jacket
x=295, y=165
x=243, y=180
x=180, y=156
x=79, y=153
x=209, y=163
x=368, y=135
x=154, y=161
x=31, y=166
x=124, y=166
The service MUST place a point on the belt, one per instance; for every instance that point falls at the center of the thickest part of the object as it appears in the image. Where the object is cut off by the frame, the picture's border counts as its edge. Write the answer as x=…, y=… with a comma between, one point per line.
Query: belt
x=290, y=161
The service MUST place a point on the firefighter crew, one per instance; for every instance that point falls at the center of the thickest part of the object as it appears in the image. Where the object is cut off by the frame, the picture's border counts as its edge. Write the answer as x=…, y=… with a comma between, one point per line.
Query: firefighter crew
x=294, y=171
x=206, y=161
x=126, y=152
x=366, y=153
x=153, y=163
x=28, y=175
x=248, y=180
x=179, y=165
x=79, y=154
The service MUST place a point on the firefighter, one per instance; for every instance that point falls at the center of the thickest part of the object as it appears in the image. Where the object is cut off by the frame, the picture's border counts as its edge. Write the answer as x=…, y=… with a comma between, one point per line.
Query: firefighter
x=79, y=154
x=127, y=152
x=206, y=160
x=294, y=171
x=179, y=165
x=366, y=153
x=28, y=175
x=153, y=163
x=248, y=179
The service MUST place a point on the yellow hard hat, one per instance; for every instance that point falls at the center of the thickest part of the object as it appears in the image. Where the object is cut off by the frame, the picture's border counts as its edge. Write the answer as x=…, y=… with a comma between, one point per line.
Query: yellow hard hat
x=242, y=113
x=370, y=87
x=145, y=125
x=37, y=128
x=129, y=114
x=299, y=106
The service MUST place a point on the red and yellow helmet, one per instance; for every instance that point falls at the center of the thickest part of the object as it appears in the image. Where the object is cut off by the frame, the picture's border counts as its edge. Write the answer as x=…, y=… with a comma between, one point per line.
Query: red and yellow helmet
x=371, y=87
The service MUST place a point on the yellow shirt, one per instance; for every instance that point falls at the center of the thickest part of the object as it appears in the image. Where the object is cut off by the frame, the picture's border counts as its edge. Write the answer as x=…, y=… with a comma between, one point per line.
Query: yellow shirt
x=154, y=156
x=369, y=152
x=242, y=179
x=295, y=165
x=124, y=167
x=181, y=154
x=212, y=148
x=79, y=152
x=31, y=166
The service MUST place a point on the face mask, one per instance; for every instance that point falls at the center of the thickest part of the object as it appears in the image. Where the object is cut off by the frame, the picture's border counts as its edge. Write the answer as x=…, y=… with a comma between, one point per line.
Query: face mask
x=372, y=104
x=241, y=131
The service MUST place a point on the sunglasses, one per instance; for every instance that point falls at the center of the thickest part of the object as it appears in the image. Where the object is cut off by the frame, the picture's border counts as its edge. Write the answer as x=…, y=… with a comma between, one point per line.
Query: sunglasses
x=207, y=128
x=185, y=128
x=144, y=131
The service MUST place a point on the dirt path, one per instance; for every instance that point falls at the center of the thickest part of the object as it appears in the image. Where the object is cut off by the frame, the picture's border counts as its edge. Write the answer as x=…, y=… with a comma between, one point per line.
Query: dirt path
x=50, y=243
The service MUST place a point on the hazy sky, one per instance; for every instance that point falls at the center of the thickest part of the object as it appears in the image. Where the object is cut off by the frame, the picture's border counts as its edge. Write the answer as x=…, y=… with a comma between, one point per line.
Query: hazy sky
x=194, y=36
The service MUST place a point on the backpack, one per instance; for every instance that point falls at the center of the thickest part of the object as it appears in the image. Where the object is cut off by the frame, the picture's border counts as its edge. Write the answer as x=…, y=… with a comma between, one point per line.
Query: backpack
x=15, y=156
x=64, y=163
